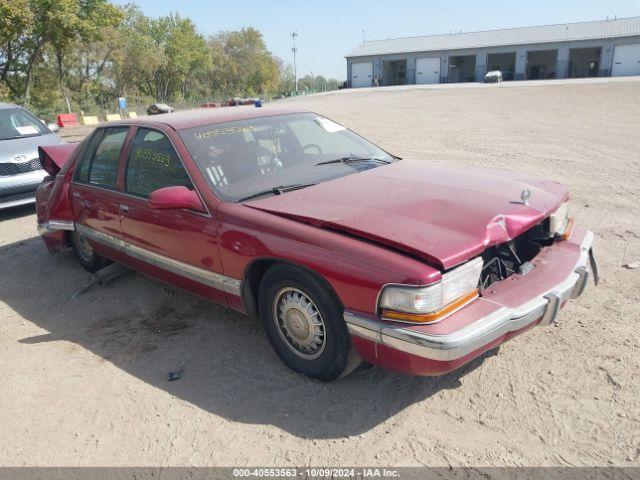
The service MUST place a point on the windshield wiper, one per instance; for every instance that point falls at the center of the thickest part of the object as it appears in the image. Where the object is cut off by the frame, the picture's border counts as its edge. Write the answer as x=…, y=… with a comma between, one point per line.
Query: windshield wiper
x=17, y=137
x=350, y=159
x=279, y=190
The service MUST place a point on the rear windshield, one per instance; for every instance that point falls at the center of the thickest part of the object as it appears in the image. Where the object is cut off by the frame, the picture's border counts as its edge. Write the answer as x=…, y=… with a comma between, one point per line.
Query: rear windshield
x=18, y=123
x=243, y=158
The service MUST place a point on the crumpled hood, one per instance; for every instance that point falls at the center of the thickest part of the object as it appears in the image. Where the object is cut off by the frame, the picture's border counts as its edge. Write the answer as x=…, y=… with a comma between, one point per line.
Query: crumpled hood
x=441, y=214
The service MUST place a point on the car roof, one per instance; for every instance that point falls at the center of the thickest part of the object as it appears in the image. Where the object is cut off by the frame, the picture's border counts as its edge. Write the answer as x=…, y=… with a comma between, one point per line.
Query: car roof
x=9, y=105
x=206, y=116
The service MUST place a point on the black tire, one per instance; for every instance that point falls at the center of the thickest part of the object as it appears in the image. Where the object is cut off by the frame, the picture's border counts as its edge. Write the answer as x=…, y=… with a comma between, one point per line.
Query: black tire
x=90, y=260
x=279, y=289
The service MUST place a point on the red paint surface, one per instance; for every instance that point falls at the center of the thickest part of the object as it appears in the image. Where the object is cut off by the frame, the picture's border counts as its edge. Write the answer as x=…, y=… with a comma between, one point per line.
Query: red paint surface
x=443, y=215
x=176, y=198
x=204, y=116
x=53, y=157
x=52, y=196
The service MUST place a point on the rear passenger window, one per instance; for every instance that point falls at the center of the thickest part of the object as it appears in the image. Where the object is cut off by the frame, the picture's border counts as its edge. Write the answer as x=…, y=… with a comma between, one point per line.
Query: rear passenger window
x=154, y=164
x=82, y=170
x=99, y=165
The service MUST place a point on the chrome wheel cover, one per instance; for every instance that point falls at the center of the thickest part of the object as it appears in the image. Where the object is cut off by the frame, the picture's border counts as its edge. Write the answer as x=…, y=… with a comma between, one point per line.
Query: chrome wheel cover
x=299, y=323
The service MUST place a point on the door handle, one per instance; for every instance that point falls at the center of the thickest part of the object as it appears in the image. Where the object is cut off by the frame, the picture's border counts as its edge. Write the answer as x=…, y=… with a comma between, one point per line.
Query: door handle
x=124, y=208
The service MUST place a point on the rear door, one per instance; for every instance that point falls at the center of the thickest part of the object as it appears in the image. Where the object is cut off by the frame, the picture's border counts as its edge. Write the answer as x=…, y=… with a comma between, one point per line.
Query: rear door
x=94, y=195
x=180, y=246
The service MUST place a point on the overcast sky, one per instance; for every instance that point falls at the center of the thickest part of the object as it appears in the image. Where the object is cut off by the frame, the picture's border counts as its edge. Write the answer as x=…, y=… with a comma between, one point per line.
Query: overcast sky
x=329, y=29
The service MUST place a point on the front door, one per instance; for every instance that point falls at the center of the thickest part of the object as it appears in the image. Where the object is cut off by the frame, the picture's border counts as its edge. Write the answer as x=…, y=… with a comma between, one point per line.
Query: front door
x=180, y=246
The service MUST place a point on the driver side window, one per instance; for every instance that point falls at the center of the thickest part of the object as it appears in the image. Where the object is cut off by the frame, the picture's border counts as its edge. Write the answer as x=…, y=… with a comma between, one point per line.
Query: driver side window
x=153, y=163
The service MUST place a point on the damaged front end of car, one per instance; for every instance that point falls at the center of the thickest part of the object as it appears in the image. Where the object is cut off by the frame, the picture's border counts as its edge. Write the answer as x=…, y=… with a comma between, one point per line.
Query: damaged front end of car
x=511, y=287
x=517, y=255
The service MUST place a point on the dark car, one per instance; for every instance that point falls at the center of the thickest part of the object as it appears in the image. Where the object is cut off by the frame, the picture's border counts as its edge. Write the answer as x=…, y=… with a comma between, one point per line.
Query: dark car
x=158, y=108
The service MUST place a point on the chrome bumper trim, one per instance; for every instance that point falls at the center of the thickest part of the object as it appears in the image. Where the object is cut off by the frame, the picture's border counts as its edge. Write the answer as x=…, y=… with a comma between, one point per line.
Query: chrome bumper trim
x=17, y=203
x=581, y=284
x=483, y=331
x=206, y=277
x=55, y=225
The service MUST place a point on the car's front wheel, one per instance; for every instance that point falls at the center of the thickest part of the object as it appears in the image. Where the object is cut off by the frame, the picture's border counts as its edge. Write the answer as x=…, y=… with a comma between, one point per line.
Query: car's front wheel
x=305, y=325
x=85, y=254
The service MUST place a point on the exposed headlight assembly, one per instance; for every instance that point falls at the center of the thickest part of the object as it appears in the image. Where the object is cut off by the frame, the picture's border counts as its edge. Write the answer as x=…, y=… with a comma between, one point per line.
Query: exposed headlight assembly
x=434, y=302
x=560, y=224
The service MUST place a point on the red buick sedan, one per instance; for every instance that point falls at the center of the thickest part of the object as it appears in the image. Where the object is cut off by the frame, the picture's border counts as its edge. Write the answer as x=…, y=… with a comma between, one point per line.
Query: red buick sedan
x=345, y=251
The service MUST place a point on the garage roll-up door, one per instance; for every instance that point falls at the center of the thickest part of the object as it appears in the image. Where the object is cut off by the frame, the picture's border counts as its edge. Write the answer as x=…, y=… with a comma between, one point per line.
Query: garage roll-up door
x=626, y=60
x=361, y=74
x=427, y=70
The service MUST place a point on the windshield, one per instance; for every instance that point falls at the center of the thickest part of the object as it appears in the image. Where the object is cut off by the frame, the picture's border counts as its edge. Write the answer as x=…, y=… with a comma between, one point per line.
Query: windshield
x=18, y=123
x=244, y=158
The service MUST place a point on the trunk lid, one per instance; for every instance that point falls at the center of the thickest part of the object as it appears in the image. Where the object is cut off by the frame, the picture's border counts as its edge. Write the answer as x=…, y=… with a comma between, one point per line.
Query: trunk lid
x=441, y=214
x=53, y=157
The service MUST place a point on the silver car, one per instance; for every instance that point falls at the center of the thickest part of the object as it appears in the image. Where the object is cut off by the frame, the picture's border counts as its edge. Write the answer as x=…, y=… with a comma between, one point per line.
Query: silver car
x=21, y=133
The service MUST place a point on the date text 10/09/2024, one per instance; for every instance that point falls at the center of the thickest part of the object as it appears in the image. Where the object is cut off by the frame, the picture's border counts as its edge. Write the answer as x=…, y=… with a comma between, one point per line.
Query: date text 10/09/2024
x=351, y=473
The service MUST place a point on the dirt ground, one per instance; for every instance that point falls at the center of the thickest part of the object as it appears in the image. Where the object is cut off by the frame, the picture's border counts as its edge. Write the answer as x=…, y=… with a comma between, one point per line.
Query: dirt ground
x=84, y=375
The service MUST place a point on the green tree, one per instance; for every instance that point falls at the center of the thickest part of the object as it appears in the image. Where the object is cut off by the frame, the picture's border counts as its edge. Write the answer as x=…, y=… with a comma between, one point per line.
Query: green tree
x=15, y=22
x=187, y=56
x=162, y=58
x=39, y=25
x=317, y=83
x=242, y=65
x=89, y=37
x=287, y=78
x=140, y=56
x=92, y=51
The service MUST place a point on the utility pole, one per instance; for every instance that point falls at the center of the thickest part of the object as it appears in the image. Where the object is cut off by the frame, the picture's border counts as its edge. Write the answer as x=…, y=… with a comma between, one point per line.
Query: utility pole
x=294, y=50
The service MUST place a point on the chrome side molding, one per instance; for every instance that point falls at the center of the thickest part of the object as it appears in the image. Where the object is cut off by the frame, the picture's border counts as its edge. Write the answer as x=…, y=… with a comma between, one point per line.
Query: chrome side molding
x=206, y=277
x=55, y=225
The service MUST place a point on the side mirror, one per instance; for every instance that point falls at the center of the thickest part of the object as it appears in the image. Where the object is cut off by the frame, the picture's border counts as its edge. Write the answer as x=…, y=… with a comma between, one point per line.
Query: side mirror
x=176, y=198
x=53, y=127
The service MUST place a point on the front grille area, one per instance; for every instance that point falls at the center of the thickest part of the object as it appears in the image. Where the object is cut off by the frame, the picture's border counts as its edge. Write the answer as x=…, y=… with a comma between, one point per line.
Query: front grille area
x=14, y=197
x=7, y=169
x=505, y=259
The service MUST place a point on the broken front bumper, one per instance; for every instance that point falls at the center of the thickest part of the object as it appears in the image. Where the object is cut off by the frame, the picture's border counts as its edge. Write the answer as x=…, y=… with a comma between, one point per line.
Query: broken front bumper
x=510, y=307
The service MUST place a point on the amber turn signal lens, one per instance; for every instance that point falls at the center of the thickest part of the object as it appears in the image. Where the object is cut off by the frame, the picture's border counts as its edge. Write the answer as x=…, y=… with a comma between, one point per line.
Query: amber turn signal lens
x=568, y=230
x=431, y=317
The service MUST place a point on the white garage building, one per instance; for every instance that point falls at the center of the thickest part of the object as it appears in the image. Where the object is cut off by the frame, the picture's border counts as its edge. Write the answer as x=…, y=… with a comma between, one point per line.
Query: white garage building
x=587, y=49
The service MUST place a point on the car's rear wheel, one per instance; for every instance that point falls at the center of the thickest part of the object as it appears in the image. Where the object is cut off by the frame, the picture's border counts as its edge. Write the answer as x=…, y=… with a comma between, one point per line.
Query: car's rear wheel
x=85, y=254
x=305, y=324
